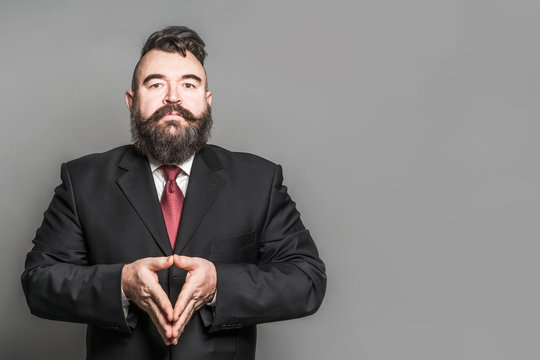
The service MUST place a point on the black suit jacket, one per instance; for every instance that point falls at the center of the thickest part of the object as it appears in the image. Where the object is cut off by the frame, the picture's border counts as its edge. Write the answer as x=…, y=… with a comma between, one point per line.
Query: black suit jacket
x=236, y=213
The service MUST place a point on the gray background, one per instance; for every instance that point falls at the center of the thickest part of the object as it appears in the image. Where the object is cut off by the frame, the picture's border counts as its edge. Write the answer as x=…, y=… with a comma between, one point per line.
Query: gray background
x=408, y=134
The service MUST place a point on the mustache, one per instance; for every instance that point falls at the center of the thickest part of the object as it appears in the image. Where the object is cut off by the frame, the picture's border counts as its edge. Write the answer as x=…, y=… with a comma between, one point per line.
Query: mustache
x=169, y=109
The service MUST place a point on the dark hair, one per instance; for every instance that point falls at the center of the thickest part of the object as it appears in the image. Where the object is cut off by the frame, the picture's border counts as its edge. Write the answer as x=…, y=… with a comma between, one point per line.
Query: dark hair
x=179, y=39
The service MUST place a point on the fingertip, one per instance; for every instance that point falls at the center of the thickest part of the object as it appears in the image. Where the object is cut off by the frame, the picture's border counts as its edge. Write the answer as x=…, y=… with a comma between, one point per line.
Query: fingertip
x=183, y=262
x=163, y=262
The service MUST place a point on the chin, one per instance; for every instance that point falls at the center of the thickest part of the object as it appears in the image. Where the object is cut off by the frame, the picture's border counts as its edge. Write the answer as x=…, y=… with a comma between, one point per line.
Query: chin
x=173, y=130
x=173, y=124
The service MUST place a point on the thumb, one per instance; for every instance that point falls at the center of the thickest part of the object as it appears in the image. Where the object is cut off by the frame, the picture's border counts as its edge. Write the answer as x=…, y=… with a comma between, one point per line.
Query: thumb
x=160, y=263
x=184, y=262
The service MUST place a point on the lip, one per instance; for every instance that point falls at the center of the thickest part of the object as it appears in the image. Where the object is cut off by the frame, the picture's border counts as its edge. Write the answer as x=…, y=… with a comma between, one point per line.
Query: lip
x=172, y=116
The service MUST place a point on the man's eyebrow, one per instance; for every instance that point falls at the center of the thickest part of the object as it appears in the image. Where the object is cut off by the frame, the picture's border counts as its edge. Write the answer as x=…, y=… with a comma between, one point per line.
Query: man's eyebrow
x=191, y=76
x=161, y=76
x=153, y=76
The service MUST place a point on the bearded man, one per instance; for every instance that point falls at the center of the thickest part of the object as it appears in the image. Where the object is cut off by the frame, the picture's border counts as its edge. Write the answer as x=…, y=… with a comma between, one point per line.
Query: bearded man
x=159, y=269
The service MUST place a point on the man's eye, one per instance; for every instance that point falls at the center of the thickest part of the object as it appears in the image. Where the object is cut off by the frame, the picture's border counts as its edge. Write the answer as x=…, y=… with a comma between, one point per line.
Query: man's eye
x=189, y=86
x=156, y=85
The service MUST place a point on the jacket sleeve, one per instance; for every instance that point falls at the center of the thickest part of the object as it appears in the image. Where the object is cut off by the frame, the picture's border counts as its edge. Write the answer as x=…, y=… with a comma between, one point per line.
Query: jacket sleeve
x=58, y=281
x=289, y=279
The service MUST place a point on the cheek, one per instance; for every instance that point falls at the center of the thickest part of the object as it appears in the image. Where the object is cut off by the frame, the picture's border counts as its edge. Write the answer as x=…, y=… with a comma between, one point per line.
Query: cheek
x=195, y=104
x=148, y=107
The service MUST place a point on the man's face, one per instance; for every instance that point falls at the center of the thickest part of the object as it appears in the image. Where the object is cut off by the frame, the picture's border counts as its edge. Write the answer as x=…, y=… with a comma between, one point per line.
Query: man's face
x=170, y=110
x=169, y=78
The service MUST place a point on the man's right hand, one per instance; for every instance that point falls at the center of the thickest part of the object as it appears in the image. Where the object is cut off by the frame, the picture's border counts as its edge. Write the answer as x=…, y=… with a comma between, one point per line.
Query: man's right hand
x=140, y=284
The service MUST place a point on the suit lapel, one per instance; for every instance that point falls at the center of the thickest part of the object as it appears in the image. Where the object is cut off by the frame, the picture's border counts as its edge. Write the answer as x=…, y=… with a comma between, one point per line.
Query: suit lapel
x=139, y=187
x=204, y=186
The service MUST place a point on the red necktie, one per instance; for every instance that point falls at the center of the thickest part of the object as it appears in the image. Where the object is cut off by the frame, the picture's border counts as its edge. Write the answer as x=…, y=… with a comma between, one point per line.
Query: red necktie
x=172, y=201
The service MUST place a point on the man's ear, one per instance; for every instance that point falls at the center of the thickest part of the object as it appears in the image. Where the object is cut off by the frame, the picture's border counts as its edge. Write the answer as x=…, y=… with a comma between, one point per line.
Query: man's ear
x=129, y=99
x=209, y=97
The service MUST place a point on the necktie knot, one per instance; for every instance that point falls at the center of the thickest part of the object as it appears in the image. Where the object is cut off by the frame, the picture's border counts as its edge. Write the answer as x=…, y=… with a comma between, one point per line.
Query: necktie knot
x=170, y=171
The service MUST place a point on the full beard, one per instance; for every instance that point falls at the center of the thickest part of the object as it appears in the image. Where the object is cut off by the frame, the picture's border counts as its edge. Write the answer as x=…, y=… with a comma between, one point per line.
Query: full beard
x=154, y=139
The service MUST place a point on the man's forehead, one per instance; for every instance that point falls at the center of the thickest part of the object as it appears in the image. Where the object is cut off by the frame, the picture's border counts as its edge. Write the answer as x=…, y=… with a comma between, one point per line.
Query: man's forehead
x=170, y=64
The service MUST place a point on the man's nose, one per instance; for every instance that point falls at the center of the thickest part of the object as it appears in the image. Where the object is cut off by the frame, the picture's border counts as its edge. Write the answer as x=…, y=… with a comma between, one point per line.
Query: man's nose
x=172, y=96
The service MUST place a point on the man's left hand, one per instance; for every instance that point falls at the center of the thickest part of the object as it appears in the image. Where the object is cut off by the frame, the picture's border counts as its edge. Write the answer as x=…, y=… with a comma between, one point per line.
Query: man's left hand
x=198, y=290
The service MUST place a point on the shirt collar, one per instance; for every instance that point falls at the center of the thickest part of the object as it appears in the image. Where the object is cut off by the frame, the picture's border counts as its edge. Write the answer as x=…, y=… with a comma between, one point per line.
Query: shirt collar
x=185, y=166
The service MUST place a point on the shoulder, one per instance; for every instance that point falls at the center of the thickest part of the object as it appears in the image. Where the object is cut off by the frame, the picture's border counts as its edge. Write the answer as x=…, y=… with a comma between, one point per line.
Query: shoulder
x=100, y=160
x=231, y=159
x=240, y=167
x=102, y=167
